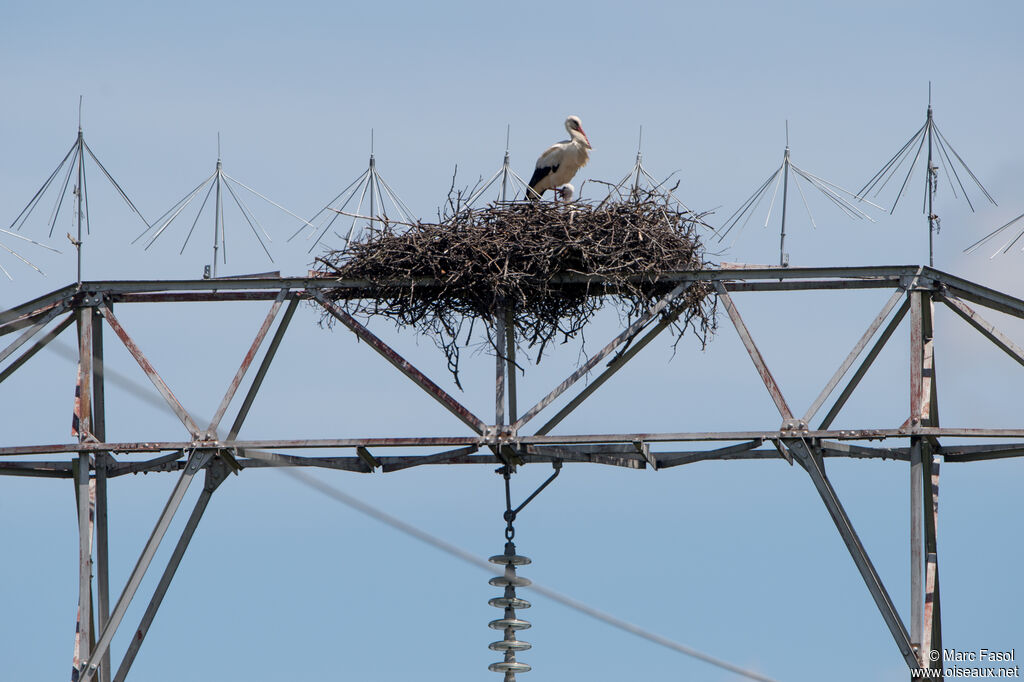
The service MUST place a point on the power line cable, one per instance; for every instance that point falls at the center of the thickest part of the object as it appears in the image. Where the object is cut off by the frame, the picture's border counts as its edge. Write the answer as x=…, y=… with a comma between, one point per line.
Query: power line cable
x=373, y=512
x=459, y=553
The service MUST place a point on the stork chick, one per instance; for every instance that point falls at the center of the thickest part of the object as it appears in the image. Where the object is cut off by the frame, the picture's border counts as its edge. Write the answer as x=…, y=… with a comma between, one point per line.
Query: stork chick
x=565, y=193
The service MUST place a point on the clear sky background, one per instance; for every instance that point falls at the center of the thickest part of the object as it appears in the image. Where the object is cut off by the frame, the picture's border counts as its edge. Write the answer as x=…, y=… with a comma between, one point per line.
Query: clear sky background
x=737, y=559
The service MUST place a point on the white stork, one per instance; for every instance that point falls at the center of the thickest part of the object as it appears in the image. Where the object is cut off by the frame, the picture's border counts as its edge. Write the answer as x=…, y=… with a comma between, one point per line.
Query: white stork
x=559, y=163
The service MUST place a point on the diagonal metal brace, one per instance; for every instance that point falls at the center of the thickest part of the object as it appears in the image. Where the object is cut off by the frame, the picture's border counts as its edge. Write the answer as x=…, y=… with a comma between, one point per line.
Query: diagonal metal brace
x=510, y=513
x=196, y=461
x=216, y=473
x=752, y=350
x=403, y=365
x=810, y=458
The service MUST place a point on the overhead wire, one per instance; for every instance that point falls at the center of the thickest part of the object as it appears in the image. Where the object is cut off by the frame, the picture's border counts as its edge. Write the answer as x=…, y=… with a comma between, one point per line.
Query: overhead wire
x=342, y=497
x=470, y=558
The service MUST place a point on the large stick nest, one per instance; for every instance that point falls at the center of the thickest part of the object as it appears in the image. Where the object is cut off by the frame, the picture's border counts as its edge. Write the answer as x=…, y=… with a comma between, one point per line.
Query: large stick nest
x=543, y=267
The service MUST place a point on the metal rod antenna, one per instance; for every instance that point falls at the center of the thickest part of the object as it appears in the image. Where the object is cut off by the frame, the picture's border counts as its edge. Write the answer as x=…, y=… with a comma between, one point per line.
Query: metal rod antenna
x=218, y=211
x=639, y=161
x=78, y=193
x=785, y=193
x=914, y=150
x=505, y=165
x=929, y=178
x=373, y=187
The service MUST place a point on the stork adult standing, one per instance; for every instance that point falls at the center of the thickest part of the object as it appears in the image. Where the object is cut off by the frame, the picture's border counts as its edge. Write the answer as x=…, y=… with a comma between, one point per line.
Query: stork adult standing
x=559, y=163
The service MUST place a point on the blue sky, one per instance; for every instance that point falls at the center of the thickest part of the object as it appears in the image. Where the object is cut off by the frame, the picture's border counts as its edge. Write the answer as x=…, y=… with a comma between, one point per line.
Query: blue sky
x=738, y=559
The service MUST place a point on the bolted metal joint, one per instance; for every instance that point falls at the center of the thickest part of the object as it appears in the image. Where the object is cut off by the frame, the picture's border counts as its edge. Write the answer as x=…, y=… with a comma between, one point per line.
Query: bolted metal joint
x=794, y=427
x=90, y=299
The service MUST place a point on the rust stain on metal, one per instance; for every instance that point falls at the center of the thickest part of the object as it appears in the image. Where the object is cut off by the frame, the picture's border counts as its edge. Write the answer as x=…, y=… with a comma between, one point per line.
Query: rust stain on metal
x=151, y=372
x=755, y=354
x=403, y=365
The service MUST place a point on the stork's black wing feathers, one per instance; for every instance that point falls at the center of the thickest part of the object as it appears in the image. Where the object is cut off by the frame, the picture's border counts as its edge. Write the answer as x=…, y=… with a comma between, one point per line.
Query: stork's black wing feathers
x=539, y=174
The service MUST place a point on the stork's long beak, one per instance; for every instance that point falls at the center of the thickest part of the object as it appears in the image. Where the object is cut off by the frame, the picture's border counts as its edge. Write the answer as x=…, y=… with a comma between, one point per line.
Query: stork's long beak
x=586, y=140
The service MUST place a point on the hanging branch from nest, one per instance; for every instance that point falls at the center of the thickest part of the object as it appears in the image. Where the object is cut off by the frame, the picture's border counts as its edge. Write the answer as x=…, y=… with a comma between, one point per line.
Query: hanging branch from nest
x=550, y=266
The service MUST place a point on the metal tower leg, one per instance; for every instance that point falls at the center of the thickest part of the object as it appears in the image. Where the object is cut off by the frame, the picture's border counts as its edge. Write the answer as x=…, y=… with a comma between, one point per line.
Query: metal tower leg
x=196, y=461
x=84, y=427
x=810, y=458
x=99, y=429
x=926, y=629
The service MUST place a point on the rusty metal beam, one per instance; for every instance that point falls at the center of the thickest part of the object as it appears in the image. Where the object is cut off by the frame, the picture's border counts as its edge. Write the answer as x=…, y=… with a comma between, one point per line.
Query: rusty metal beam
x=510, y=373
x=987, y=329
x=42, y=321
x=62, y=469
x=211, y=431
x=261, y=373
x=617, y=363
x=85, y=631
x=932, y=627
x=917, y=333
x=197, y=460
x=36, y=347
x=33, y=318
x=215, y=475
x=593, y=360
x=809, y=457
x=399, y=463
x=158, y=382
x=981, y=295
x=156, y=464
x=864, y=366
x=403, y=365
x=82, y=477
x=755, y=354
x=262, y=458
x=858, y=348
x=738, y=451
x=35, y=306
x=432, y=441
x=99, y=430
x=500, y=368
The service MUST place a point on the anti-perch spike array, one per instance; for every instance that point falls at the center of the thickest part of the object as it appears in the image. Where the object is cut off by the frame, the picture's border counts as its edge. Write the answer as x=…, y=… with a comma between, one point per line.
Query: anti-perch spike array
x=509, y=623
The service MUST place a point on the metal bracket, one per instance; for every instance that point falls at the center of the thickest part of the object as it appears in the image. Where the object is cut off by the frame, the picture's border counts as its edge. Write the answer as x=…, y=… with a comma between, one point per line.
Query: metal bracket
x=645, y=450
x=791, y=428
x=91, y=300
x=216, y=474
x=368, y=459
x=783, y=450
x=917, y=282
x=510, y=513
x=198, y=460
